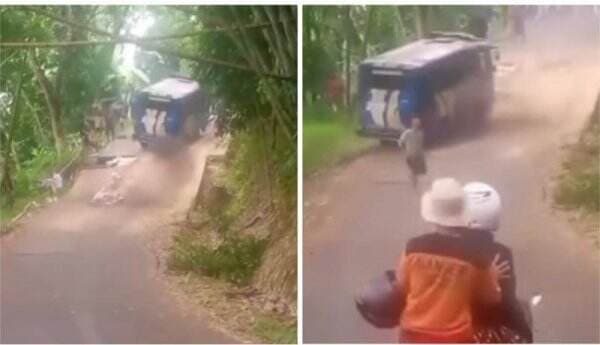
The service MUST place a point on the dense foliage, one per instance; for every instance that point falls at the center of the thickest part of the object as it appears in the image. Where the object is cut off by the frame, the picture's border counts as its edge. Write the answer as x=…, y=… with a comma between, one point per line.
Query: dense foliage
x=63, y=58
x=48, y=91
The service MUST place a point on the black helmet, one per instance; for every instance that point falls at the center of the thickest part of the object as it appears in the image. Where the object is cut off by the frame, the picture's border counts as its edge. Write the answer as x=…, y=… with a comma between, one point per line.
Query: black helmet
x=381, y=302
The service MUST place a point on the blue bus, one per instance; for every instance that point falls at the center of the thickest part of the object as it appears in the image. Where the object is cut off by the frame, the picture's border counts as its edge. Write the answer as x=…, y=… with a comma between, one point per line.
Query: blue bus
x=173, y=107
x=444, y=80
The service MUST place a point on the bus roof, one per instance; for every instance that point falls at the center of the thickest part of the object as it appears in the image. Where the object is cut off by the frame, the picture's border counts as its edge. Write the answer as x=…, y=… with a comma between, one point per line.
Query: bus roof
x=174, y=88
x=419, y=54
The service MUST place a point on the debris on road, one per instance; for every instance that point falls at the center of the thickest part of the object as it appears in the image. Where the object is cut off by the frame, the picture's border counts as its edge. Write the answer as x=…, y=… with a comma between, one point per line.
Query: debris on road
x=120, y=161
x=109, y=194
x=54, y=183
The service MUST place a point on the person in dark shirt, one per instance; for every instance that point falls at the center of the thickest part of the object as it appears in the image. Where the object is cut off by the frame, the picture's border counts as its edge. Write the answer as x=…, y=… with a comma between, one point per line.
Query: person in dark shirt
x=504, y=322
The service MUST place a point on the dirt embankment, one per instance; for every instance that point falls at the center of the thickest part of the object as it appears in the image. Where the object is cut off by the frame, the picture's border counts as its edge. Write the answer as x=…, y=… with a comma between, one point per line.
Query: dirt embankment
x=239, y=308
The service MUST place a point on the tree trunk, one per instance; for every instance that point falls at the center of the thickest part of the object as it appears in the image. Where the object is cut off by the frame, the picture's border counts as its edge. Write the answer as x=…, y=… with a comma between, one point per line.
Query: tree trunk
x=39, y=130
x=347, y=56
x=54, y=108
x=370, y=13
x=419, y=22
x=7, y=184
x=401, y=25
x=290, y=31
x=15, y=157
x=429, y=19
x=279, y=40
x=423, y=20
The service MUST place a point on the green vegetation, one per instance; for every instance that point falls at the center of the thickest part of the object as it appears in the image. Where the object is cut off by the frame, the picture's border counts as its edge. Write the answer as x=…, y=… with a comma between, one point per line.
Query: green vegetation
x=76, y=55
x=253, y=178
x=259, y=107
x=46, y=92
x=28, y=187
x=273, y=331
x=234, y=260
x=329, y=138
x=580, y=187
x=579, y=184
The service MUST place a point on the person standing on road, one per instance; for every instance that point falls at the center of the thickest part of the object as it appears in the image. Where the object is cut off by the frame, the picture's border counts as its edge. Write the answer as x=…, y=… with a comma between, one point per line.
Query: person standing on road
x=413, y=141
x=442, y=273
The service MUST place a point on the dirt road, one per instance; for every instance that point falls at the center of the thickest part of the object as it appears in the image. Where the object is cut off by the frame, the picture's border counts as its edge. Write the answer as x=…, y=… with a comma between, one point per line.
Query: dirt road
x=77, y=273
x=358, y=217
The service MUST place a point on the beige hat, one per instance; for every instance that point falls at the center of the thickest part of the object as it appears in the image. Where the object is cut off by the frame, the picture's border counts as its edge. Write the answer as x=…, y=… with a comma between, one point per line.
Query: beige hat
x=444, y=203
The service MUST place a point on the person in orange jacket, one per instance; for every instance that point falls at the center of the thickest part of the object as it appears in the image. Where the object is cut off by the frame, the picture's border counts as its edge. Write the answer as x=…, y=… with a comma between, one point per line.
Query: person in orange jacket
x=442, y=273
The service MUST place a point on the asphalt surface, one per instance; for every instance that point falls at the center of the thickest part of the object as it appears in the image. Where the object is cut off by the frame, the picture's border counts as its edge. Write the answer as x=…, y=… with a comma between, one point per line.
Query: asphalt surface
x=358, y=216
x=78, y=273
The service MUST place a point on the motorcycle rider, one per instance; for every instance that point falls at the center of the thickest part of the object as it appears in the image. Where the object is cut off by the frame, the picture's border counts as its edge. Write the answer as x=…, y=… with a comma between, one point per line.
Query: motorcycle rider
x=442, y=273
x=504, y=322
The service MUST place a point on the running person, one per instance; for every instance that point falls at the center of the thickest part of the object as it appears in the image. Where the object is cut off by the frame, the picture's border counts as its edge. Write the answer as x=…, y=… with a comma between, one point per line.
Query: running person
x=413, y=140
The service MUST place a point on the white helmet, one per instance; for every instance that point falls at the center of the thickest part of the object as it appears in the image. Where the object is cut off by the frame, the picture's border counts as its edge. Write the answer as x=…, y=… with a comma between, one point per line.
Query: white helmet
x=483, y=206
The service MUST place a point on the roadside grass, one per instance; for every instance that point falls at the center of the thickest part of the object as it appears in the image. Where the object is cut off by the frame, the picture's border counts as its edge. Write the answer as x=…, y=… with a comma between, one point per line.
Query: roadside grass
x=329, y=138
x=8, y=213
x=578, y=187
x=274, y=331
x=27, y=186
x=579, y=184
x=235, y=259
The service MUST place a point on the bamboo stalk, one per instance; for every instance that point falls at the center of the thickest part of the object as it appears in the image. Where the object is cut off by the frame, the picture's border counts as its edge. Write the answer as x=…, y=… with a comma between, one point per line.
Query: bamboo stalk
x=290, y=32
x=370, y=13
x=168, y=52
x=267, y=33
x=278, y=111
x=7, y=183
x=278, y=39
x=50, y=101
x=149, y=38
x=38, y=123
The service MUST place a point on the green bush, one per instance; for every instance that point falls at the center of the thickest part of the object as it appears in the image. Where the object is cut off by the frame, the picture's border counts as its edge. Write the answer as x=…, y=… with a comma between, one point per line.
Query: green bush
x=579, y=186
x=262, y=169
x=43, y=163
x=235, y=259
x=273, y=331
x=220, y=220
x=329, y=137
x=579, y=190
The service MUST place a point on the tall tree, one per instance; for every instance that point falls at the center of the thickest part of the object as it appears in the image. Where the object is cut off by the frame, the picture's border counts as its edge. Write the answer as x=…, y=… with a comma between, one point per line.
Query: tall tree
x=8, y=158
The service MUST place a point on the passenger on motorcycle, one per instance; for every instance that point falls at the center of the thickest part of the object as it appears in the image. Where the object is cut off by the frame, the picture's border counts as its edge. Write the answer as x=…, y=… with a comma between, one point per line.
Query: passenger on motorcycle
x=442, y=274
x=504, y=322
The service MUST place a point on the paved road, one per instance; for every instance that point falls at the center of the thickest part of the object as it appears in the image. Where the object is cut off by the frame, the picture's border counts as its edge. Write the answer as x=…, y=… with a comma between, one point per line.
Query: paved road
x=358, y=217
x=75, y=273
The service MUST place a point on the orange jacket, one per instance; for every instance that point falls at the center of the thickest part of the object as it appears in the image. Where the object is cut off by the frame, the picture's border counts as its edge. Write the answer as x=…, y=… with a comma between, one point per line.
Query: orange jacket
x=442, y=276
